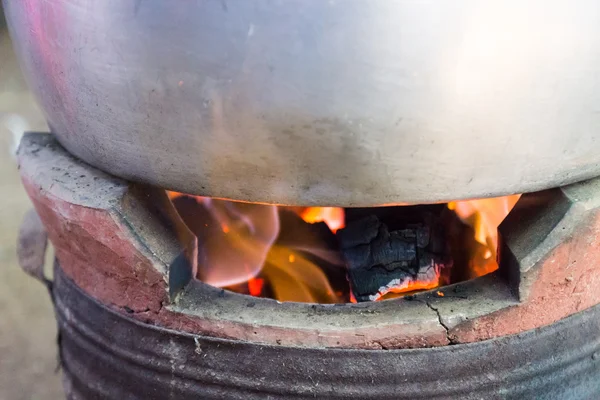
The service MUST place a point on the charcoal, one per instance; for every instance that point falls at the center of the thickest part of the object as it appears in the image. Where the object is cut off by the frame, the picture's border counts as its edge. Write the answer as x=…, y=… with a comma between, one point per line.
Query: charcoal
x=379, y=258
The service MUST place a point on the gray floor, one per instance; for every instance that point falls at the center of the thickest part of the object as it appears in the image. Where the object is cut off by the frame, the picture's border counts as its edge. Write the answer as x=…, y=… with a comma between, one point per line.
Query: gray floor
x=27, y=327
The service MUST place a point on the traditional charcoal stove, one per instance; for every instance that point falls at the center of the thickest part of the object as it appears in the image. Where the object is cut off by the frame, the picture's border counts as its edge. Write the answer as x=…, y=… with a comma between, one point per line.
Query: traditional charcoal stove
x=135, y=324
x=274, y=199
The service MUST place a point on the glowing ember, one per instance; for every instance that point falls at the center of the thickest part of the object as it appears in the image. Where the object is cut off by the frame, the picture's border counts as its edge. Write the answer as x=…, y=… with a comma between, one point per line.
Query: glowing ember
x=408, y=287
x=255, y=286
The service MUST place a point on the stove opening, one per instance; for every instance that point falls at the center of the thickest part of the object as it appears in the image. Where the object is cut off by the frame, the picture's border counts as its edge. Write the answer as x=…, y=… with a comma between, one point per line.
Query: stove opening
x=337, y=255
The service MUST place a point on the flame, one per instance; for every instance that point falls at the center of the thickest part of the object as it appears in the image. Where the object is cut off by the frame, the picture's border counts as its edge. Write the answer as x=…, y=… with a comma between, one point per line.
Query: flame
x=301, y=282
x=234, y=239
x=332, y=216
x=238, y=250
x=173, y=195
x=236, y=247
x=484, y=216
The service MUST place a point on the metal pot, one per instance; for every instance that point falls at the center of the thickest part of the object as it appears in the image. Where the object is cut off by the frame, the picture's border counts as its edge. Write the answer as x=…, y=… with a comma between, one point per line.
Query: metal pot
x=312, y=102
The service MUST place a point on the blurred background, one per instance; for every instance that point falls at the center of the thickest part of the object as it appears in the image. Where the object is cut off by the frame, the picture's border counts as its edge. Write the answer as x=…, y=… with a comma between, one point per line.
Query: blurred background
x=28, y=353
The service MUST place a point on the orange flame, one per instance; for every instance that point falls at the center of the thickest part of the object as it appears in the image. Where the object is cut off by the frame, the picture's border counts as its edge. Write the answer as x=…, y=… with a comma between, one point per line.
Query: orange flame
x=236, y=256
x=484, y=216
x=303, y=281
x=237, y=250
x=332, y=216
x=174, y=195
x=245, y=250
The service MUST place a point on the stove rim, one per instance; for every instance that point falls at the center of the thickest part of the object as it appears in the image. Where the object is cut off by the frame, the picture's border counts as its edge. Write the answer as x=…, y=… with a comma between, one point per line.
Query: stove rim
x=99, y=345
x=62, y=280
x=573, y=205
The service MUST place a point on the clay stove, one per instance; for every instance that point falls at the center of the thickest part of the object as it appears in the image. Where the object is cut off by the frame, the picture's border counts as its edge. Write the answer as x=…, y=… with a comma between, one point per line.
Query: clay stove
x=135, y=323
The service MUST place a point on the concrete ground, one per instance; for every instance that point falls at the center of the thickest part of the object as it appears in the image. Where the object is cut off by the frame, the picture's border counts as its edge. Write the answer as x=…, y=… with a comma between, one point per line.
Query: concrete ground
x=28, y=354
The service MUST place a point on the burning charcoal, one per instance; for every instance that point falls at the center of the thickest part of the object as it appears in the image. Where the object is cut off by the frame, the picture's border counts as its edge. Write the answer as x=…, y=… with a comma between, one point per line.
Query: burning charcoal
x=410, y=256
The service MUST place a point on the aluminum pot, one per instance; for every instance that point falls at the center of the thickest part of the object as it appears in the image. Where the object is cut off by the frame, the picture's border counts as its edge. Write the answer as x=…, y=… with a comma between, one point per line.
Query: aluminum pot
x=314, y=102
